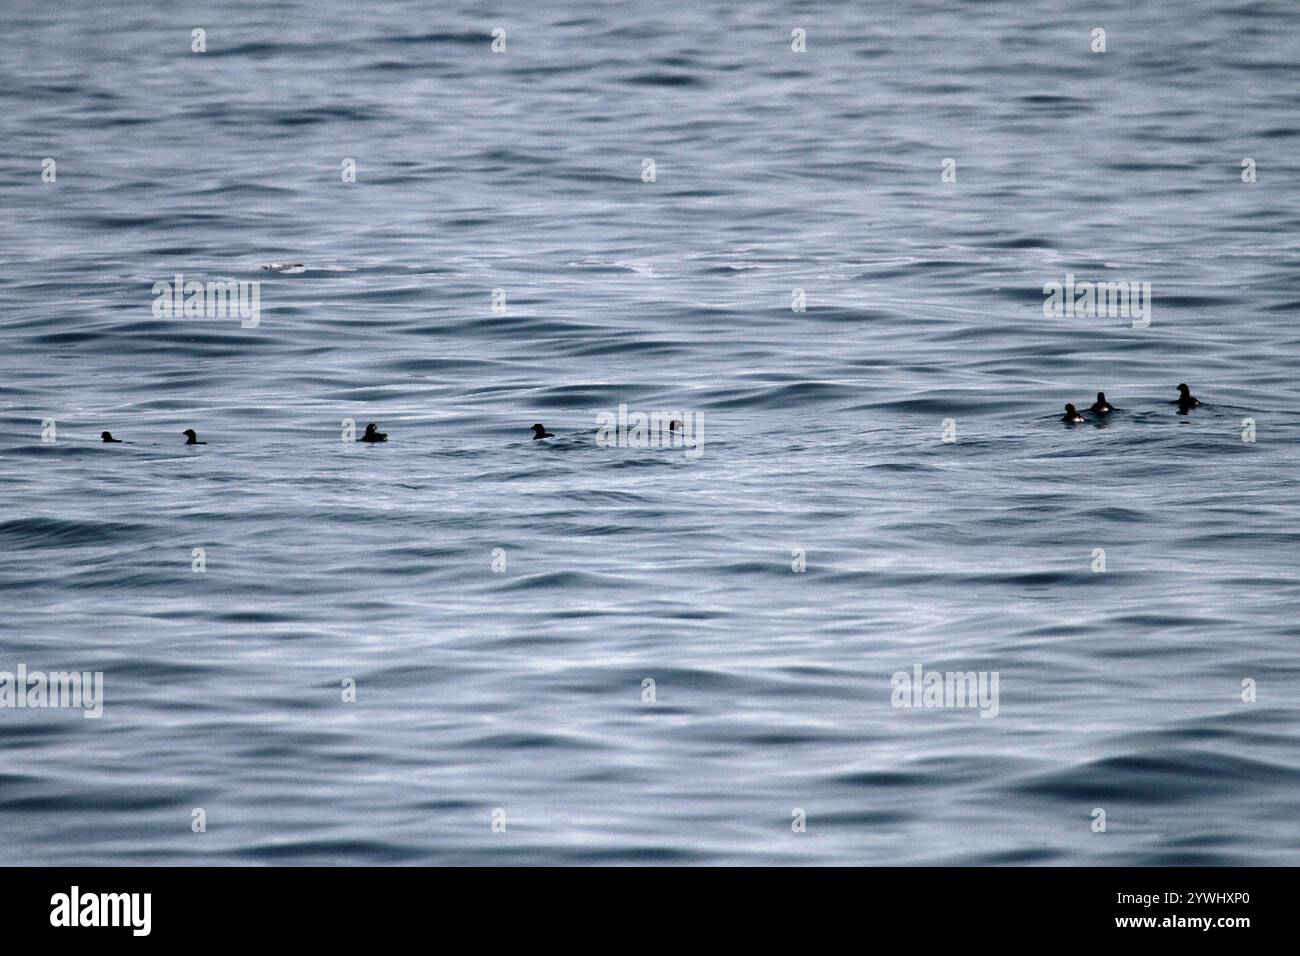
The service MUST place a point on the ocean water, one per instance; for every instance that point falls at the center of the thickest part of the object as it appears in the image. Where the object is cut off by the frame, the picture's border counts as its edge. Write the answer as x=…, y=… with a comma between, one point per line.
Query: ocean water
x=517, y=696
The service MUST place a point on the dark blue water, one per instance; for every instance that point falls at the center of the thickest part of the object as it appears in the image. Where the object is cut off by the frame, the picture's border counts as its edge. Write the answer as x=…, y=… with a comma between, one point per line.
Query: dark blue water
x=521, y=690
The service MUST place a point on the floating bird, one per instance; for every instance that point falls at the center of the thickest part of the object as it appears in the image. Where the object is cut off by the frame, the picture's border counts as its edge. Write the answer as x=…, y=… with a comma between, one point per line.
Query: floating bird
x=539, y=431
x=373, y=434
x=1185, y=400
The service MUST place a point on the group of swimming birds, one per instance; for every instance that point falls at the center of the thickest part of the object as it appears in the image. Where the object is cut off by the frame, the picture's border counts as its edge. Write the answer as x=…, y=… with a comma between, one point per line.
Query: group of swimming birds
x=372, y=435
x=1185, y=402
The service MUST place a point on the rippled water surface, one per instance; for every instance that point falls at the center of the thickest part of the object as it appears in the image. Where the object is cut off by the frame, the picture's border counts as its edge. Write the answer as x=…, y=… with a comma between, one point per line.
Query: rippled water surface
x=522, y=690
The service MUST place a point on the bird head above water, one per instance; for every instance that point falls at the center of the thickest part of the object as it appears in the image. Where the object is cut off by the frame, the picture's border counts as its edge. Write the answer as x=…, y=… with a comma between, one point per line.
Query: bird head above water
x=1185, y=398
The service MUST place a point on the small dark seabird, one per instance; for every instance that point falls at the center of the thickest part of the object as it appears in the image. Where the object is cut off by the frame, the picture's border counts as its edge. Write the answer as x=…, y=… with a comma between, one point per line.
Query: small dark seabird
x=539, y=431
x=108, y=439
x=1101, y=406
x=1185, y=400
x=676, y=425
x=373, y=434
x=1071, y=416
x=191, y=438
